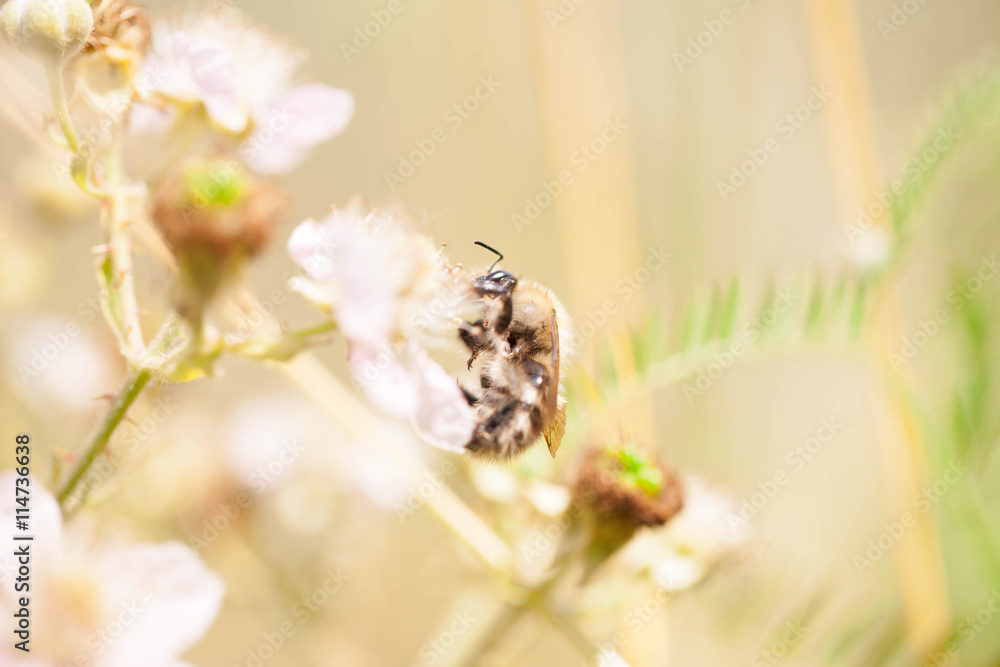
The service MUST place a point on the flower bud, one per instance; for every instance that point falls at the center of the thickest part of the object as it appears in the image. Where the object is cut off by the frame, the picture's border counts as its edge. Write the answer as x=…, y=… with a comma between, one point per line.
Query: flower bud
x=49, y=30
x=623, y=487
x=215, y=217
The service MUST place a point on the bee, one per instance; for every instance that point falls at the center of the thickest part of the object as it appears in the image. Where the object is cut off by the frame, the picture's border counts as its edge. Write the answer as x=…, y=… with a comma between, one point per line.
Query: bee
x=515, y=352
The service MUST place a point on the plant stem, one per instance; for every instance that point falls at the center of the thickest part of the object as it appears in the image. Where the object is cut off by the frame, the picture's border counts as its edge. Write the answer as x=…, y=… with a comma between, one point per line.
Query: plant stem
x=130, y=390
x=499, y=625
x=121, y=256
x=54, y=73
x=584, y=644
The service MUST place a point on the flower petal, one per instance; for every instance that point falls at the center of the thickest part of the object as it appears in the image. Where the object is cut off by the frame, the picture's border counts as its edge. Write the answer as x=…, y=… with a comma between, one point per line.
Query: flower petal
x=147, y=119
x=384, y=380
x=443, y=417
x=214, y=71
x=303, y=118
x=164, y=598
x=308, y=247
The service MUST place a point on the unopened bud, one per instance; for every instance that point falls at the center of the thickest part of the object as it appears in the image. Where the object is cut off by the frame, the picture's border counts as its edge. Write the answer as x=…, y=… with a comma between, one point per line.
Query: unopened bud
x=49, y=30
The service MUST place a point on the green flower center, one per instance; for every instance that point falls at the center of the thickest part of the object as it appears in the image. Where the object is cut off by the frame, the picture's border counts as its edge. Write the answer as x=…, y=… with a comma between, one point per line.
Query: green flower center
x=212, y=187
x=638, y=470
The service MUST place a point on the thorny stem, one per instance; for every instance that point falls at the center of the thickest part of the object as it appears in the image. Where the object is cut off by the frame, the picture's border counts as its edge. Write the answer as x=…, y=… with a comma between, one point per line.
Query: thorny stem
x=121, y=257
x=54, y=73
x=137, y=378
x=130, y=390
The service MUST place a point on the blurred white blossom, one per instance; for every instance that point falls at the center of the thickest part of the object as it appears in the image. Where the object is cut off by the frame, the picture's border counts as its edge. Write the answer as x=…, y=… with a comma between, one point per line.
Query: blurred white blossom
x=112, y=605
x=682, y=552
x=56, y=364
x=243, y=77
x=391, y=293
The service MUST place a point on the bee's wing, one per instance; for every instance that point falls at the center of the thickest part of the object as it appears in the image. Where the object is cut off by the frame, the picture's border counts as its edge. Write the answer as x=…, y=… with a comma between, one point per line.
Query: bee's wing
x=554, y=433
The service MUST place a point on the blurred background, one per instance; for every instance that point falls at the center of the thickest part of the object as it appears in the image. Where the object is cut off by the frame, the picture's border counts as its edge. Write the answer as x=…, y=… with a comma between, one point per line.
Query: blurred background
x=667, y=168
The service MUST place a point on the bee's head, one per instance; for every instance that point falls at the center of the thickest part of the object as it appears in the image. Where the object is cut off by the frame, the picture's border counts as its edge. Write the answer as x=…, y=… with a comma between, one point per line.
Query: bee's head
x=495, y=283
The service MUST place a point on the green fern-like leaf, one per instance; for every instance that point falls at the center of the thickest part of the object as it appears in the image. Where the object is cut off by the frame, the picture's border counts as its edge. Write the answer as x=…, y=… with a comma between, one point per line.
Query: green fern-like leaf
x=664, y=349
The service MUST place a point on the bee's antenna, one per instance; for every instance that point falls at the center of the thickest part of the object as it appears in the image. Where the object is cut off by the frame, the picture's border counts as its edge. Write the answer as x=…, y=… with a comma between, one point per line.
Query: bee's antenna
x=494, y=251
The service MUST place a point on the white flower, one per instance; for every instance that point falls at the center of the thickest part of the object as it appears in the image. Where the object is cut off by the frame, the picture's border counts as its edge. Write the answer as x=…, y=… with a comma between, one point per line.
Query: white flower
x=391, y=293
x=242, y=76
x=105, y=605
x=681, y=553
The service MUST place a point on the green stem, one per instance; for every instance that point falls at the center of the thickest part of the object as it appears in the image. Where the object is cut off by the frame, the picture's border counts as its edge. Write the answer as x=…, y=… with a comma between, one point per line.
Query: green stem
x=321, y=328
x=54, y=73
x=130, y=390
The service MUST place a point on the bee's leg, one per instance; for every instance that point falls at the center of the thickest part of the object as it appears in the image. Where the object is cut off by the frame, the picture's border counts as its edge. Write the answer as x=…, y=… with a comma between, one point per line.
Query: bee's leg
x=506, y=314
x=472, y=336
x=471, y=398
x=504, y=292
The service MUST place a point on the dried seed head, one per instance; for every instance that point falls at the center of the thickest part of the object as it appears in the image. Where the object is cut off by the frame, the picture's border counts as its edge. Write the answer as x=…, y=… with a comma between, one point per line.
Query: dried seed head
x=623, y=487
x=215, y=217
x=121, y=31
x=49, y=30
x=220, y=209
x=627, y=484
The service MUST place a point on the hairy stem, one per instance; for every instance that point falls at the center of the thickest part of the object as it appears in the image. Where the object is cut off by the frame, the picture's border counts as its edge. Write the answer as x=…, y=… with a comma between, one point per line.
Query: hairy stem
x=138, y=377
x=54, y=73
x=123, y=400
x=120, y=255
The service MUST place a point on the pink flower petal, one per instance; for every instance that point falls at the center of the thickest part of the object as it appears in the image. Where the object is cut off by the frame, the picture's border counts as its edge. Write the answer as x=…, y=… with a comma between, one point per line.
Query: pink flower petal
x=164, y=598
x=443, y=417
x=309, y=247
x=384, y=380
x=147, y=119
x=288, y=130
